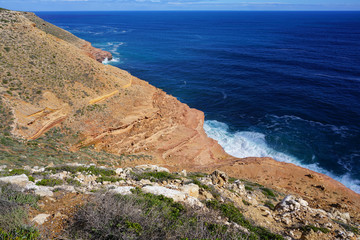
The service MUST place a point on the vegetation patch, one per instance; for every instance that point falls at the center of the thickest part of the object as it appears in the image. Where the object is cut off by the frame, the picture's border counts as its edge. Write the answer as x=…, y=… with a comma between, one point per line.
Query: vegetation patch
x=269, y=205
x=348, y=227
x=108, y=179
x=79, y=169
x=233, y=214
x=268, y=192
x=308, y=228
x=145, y=216
x=155, y=176
x=13, y=213
x=51, y=182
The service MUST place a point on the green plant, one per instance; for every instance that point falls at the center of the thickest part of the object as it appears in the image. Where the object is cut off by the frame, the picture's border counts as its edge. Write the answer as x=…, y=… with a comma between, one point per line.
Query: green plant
x=246, y=202
x=49, y=182
x=145, y=216
x=307, y=228
x=348, y=227
x=108, y=179
x=269, y=205
x=268, y=192
x=74, y=182
x=154, y=176
x=13, y=213
x=233, y=214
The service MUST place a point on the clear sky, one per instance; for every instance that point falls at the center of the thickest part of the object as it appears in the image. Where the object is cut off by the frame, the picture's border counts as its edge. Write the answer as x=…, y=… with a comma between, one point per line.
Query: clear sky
x=112, y=5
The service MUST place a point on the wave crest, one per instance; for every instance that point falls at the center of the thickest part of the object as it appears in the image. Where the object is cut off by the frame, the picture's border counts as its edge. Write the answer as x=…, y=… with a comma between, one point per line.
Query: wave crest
x=243, y=144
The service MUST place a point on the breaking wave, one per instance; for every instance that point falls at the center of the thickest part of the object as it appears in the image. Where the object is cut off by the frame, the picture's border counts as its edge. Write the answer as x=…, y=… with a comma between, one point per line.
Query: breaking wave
x=253, y=144
x=114, y=60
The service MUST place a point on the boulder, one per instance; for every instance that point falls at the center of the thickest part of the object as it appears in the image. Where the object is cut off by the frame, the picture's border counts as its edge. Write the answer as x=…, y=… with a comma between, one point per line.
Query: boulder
x=123, y=190
x=44, y=191
x=219, y=178
x=151, y=168
x=291, y=204
x=191, y=189
x=170, y=193
x=238, y=187
x=40, y=219
x=19, y=180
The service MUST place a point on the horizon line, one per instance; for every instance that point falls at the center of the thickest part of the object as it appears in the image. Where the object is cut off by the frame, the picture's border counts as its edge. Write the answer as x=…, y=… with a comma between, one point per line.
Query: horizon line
x=317, y=10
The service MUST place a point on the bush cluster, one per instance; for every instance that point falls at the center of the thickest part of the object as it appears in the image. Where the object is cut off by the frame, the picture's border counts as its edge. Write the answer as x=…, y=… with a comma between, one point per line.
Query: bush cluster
x=146, y=216
x=13, y=214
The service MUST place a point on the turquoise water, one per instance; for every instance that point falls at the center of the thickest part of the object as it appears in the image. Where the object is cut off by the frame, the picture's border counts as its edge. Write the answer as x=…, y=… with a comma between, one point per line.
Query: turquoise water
x=278, y=84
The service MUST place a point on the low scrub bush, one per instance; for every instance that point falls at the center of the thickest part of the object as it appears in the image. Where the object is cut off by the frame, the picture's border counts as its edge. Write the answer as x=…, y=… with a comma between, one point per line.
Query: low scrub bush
x=234, y=215
x=75, y=169
x=49, y=182
x=155, y=176
x=13, y=214
x=145, y=216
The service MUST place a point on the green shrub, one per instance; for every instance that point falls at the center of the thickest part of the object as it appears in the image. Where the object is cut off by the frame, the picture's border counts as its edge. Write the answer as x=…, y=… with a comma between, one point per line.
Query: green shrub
x=145, y=216
x=269, y=205
x=49, y=182
x=348, y=227
x=154, y=176
x=234, y=215
x=9, y=193
x=13, y=213
x=268, y=192
x=74, y=182
x=308, y=228
x=75, y=169
x=246, y=202
x=18, y=172
x=24, y=232
x=108, y=179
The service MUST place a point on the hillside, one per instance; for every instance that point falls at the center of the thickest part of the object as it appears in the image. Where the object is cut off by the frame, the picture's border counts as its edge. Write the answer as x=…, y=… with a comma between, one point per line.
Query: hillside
x=59, y=104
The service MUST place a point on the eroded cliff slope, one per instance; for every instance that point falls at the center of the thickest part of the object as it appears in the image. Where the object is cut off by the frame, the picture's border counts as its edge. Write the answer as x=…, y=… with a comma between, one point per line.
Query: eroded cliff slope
x=50, y=80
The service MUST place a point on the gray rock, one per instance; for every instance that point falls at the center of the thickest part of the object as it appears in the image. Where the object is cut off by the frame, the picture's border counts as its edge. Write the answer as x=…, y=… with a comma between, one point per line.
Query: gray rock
x=219, y=178
x=40, y=219
x=19, y=180
x=123, y=190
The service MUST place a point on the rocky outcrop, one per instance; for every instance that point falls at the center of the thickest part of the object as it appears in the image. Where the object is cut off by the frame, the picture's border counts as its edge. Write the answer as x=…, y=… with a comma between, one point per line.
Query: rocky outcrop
x=291, y=216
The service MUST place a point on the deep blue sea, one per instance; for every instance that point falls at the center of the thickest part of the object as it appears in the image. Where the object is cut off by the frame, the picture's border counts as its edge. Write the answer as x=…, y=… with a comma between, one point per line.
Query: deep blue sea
x=278, y=84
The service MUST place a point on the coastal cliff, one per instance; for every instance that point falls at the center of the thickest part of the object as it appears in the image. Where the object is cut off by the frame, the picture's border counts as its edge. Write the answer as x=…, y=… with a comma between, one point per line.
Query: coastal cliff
x=53, y=81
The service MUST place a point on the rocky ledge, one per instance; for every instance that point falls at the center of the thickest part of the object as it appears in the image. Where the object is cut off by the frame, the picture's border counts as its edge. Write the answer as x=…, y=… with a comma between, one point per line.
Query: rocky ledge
x=287, y=215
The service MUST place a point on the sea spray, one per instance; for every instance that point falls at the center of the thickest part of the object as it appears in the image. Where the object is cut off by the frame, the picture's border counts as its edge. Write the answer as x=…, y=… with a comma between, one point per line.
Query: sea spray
x=253, y=144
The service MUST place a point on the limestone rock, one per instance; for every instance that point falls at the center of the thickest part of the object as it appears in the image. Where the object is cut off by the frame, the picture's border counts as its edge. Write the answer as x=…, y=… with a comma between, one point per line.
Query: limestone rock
x=19, y=180
x=219, y=178
x=170, y=193
x=43, y=191
x=152, y=168
x=40, y=219
x=123, y=190
x=191, y=189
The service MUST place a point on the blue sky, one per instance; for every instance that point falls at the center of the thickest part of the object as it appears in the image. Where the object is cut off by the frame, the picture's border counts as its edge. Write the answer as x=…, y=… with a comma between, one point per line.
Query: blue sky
x=97, y=5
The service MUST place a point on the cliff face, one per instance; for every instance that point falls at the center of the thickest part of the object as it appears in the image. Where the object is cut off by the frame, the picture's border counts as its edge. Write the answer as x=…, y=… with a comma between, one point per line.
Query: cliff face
x=51, y=78
x=48, y=79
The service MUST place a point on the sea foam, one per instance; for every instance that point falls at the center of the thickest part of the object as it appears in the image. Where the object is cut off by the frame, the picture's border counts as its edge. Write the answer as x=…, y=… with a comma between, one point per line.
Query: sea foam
x=253, y=144
x=107, y=61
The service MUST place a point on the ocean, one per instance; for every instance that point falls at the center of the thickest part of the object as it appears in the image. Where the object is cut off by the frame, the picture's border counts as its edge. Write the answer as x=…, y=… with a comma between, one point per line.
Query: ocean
x=279, y=84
